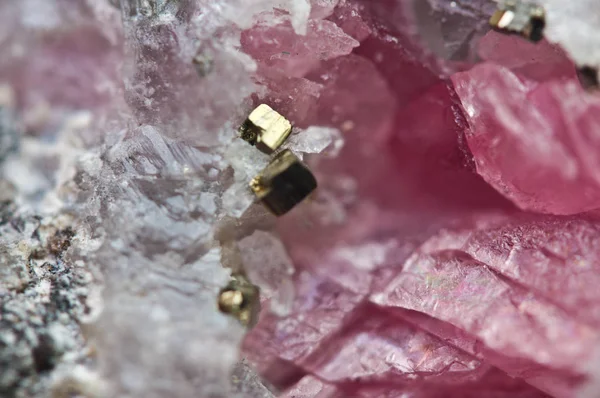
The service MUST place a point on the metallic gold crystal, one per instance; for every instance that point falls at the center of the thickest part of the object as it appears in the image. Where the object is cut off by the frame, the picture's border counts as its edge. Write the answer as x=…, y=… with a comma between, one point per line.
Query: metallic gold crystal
x=502, y=19
x=241, y=299
x=266, y=129
x=514, y=16
x=284, y=183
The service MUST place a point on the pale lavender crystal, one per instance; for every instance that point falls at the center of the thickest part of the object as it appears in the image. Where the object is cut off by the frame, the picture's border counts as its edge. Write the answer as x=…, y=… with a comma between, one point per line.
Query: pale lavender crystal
x=452, y=29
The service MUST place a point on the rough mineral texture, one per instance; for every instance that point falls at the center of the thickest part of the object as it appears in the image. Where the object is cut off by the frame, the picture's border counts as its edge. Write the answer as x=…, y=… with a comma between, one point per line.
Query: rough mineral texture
x=452, y=248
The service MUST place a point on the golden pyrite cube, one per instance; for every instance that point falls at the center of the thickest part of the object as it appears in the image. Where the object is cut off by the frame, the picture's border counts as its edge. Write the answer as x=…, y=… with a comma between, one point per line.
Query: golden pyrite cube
x=284, y=183
x=241, y=299
x=266, y=129
x=516, y=16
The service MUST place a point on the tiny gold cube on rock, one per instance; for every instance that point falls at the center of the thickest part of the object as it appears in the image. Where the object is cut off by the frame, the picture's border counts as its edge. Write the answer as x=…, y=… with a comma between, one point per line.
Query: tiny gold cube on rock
x=266, y=129
x=524, y=18
x=240, y=299
x=284, y=183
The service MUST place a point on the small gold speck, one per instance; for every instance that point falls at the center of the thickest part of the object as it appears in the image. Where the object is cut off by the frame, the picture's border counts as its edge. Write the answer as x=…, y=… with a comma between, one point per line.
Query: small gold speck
x=240, y=299
x=519, y=17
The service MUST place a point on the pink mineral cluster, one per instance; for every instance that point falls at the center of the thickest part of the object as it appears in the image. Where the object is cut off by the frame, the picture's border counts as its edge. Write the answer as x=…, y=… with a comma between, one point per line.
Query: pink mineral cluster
x=462, y=257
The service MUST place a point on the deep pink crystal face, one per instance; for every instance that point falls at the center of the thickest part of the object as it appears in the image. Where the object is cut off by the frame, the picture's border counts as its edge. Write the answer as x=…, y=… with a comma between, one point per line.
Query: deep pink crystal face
x=424, y=276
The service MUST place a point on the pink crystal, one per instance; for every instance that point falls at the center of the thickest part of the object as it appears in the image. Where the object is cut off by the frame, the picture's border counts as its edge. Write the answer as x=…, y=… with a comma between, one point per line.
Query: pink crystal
x=533, y=61
x=446, y=283
x=295, y=55
x=438, y=255
x=528, y=143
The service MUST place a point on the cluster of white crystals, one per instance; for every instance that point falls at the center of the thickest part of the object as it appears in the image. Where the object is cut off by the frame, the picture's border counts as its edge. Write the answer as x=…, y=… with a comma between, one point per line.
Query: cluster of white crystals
x=574, y=26
x=245, y=12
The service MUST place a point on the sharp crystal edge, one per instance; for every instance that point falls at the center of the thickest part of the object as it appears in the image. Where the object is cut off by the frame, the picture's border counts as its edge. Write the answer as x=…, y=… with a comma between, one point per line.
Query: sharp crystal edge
x=284, y=183
x=266, y=129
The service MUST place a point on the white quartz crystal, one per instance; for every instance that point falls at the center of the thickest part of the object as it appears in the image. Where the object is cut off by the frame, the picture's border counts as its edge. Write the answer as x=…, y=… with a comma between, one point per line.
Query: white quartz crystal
x=574, y=26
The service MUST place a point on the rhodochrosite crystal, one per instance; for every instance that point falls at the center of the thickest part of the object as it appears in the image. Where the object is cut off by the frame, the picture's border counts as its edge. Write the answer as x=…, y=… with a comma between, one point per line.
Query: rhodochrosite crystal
x=530, y=144
x=452, y=248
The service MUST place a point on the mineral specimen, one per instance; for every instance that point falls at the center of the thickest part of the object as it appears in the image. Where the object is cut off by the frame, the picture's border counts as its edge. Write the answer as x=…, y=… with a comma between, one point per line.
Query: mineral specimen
x=451, y=249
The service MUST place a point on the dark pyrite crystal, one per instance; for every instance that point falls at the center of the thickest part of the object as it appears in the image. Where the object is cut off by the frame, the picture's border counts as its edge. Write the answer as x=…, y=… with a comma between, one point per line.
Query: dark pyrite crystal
x=284, y=183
